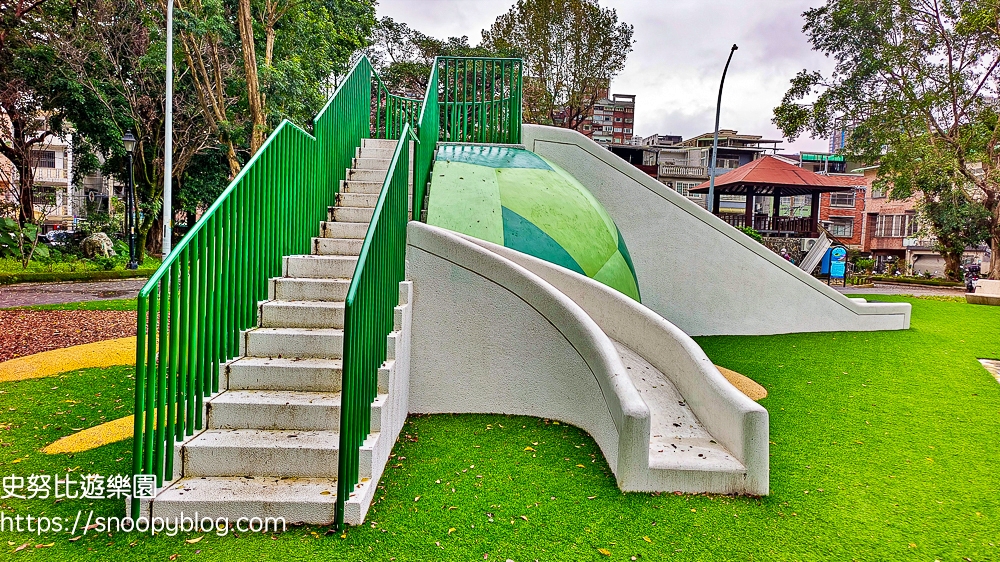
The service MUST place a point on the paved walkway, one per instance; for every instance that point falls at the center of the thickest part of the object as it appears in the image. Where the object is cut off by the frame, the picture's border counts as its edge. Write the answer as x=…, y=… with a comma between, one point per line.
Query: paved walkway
x=889, y=289
x=27, y=294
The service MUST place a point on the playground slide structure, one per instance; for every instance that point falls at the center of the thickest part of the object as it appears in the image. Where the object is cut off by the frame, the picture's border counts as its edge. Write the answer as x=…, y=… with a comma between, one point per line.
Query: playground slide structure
x=284, y=340
x=695, y=270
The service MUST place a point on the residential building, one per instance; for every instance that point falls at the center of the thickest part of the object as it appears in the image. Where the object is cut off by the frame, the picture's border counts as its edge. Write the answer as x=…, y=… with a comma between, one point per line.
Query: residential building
x=58, y=198
x=612, y=119
x=891, y=231
x=661, y=140
x=842, y=213
x=684, y=164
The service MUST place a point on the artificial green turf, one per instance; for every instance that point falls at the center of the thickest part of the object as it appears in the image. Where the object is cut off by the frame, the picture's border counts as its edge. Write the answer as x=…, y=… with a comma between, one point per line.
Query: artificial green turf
x=884, y=447
x=112, y=304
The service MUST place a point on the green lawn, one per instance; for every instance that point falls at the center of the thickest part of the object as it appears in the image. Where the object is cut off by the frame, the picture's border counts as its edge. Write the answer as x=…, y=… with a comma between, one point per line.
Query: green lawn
x=884, y=447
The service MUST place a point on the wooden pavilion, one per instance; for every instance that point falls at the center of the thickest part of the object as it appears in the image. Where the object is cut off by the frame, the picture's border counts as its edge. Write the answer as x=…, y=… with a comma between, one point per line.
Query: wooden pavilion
x=771, y=177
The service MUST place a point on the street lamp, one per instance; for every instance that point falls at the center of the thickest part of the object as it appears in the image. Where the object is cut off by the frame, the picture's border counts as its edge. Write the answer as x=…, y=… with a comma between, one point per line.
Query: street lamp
x=130, y=207
x=715, y=139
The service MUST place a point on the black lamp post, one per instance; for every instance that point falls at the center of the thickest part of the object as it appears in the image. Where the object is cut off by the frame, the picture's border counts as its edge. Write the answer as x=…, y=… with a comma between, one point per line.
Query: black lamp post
x=715, y=139
x=130, y=207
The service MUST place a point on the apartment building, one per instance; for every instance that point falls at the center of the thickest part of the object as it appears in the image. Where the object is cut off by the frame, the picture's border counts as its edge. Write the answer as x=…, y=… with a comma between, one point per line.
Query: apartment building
x=842, y=213
x=612, y=120
x=59, y=197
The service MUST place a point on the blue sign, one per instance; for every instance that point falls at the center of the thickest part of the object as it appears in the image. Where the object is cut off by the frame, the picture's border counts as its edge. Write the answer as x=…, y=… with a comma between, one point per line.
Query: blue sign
x=838, y=263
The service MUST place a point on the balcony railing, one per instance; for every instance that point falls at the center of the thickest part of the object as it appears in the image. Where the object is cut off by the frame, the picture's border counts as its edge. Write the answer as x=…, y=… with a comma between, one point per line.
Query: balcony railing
x=772, y=225
x=692, y=171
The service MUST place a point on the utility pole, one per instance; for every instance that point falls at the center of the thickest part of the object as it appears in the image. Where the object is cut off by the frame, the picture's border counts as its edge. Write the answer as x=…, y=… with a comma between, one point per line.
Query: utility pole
x=715, y=139
x=168, y=136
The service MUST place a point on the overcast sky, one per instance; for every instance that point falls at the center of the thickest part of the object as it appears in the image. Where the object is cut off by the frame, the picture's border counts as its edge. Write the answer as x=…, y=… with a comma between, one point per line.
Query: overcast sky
x=680, y=49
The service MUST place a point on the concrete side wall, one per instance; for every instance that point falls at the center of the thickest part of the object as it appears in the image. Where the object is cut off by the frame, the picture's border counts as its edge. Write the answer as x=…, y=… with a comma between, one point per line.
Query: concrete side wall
x=491, y=337
x=737, y=422
x=703, y=275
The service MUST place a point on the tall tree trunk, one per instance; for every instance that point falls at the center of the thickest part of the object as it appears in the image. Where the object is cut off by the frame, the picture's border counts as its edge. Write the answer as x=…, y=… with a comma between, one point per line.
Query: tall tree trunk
x=253, y=84
x=25, y=186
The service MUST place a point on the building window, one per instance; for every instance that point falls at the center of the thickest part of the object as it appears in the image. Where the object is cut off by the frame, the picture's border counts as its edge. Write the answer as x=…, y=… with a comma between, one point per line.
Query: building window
x=684, y=188
x=842, y=227
x=842, y=199
x=895, y=226
x=618, y=141
x=607, y=128
x=878, y=193
x=618, y=119
x=46, y=158
x=618, y=129
x=628, y=120
x=627, y=130
x=586, y=127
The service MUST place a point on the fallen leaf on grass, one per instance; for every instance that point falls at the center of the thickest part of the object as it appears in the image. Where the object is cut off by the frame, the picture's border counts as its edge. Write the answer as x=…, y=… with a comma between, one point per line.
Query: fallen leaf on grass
x=51, y=544
x=604, y=551
x=525, y=517
x=22, y=547
x=528, y=449
x=192, y=541
x=76, y=538
x=647, y=539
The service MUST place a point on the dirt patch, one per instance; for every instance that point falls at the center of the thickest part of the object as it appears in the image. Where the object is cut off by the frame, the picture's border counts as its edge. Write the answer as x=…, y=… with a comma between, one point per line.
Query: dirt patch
x=24, y=332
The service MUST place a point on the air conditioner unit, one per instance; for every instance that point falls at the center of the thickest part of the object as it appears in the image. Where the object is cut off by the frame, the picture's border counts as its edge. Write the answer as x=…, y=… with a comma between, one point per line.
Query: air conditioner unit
x=808, y=243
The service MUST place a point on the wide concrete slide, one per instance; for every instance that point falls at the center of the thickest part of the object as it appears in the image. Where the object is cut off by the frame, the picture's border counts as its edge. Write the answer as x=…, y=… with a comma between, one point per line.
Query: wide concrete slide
x=702, y=274
x=497, y=331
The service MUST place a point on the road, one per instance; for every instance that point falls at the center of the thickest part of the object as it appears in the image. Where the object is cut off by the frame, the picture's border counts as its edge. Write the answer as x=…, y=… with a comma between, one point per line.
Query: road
x=27, y=294
x=890, y=289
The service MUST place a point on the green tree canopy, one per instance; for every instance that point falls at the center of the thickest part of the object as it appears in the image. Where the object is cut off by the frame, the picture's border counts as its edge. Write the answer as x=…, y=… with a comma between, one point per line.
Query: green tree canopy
x=571, y=50
x=916, y=86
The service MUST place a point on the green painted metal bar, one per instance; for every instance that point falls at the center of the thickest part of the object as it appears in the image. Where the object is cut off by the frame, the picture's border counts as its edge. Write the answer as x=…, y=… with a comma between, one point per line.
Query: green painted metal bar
x=195, y=306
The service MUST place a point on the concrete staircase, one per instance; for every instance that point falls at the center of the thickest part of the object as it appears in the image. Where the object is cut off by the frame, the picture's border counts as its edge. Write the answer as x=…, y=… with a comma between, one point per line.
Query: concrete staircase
x=270, y=448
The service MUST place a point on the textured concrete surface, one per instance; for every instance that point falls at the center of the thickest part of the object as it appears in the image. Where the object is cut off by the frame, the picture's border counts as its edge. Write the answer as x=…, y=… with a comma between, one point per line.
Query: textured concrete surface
x=734, y=421
x=29, y=294
x=901, y=289
x=695, y=270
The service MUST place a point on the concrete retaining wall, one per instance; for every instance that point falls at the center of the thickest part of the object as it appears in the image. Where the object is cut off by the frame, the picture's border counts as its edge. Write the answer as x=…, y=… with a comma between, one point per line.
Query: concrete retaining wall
x=694, y=269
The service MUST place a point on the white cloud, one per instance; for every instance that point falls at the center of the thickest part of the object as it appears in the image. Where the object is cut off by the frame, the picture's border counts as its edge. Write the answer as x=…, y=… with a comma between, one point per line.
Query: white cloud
x=680, y=49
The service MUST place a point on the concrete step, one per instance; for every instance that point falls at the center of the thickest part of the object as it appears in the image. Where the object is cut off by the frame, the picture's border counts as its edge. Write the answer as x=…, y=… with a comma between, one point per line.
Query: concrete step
x=322, y=343
x=366, y=175
x=304, y=289
x=320, y=267
x=254, y=452
x=372, y=152
x=361, y=187
x=350, y=214
x=262, y=373
x=337, y=246
x=275, y=409
x=357, y=199
x=378, y=143
x=301, y=314
x=371, y=164
x=297, y=500
x=330, y=229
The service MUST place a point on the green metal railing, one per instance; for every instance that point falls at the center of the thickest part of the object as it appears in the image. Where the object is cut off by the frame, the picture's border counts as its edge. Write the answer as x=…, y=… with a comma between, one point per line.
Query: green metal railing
x=480, y=99
x=192, y=309
x=428, y=127
x=368, y=315
x=391, y=112
x=205, y=293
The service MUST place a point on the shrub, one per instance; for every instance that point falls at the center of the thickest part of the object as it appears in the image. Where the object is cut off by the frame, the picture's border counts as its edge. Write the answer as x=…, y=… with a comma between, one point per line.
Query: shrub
x=749, y=231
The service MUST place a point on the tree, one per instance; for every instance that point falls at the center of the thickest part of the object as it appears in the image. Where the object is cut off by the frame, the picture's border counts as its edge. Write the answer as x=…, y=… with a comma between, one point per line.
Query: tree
x=956, y=220
x=916, y=85
x=403, y=56
x=571, y=50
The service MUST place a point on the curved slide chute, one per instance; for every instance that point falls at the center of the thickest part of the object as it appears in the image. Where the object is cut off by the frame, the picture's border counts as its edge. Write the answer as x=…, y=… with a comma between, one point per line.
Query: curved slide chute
x=497, y=331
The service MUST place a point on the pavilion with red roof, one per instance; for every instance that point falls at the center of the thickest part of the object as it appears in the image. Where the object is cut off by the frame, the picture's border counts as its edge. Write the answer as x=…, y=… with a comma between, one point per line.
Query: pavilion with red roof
x=771, y=177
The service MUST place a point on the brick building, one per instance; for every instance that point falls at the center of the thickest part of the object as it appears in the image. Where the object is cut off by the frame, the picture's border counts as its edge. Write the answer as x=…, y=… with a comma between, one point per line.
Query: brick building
x=843, y=213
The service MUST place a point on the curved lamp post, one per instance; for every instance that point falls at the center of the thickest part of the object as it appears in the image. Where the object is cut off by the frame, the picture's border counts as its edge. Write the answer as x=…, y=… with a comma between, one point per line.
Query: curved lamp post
x=715, y=138
x=130, y=207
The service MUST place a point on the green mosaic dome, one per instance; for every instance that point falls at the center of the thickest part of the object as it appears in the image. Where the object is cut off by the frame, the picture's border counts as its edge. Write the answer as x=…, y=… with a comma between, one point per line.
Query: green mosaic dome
x=516, y=198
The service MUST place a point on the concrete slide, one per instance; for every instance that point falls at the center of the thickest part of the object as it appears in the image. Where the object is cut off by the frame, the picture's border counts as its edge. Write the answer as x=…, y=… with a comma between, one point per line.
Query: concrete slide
x=495, y=330
x=695, y=270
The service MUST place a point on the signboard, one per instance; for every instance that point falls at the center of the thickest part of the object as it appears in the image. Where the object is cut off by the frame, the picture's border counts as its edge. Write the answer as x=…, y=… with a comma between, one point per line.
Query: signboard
x=813, y=157
x=838, y=262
